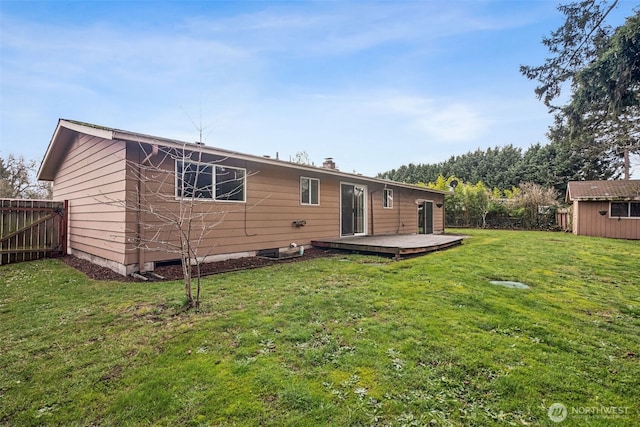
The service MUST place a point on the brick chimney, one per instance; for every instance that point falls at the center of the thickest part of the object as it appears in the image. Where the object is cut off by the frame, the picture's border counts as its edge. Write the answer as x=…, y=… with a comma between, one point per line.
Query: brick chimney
x=329, y=163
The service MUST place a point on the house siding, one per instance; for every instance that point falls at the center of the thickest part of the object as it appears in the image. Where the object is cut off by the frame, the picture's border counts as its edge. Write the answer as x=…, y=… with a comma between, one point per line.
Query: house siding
x=403, y=217
x=589, y=222
x=266, y=219
x=91, y=174
x=104, y=177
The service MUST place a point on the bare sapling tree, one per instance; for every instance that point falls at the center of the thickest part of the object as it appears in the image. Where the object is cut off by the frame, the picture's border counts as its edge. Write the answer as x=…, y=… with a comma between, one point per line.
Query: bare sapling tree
x=17, y=179
x=181, y=195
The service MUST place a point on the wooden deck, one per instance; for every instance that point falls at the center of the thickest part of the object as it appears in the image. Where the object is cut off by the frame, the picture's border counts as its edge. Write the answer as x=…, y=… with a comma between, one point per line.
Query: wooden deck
x=398, y=245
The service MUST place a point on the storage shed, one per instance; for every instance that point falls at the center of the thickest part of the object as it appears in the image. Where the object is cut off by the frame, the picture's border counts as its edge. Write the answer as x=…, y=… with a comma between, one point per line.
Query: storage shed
x=605, y=208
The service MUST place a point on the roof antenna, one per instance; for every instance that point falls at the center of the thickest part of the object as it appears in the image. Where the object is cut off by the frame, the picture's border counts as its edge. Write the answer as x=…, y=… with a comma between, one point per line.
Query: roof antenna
x=199, y=126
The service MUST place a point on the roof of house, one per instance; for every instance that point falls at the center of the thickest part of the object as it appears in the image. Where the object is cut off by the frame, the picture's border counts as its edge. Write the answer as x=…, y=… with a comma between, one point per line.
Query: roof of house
x=604, y=190
x=64, y=133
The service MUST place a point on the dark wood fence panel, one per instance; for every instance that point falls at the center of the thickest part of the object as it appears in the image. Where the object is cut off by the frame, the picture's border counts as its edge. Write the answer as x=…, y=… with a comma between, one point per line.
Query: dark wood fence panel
x=32, y=229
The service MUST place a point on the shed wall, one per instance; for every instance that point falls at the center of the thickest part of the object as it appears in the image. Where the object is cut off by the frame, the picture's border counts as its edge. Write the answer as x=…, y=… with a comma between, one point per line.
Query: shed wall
x=589, y=222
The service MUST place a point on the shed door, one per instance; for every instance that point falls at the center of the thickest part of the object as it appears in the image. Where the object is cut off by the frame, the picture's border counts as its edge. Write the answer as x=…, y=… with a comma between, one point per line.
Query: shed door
x=425, y=218
x=352, y=209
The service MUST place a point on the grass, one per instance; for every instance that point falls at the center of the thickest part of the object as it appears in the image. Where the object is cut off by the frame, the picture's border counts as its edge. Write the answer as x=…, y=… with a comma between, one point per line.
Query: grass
x=350, y=340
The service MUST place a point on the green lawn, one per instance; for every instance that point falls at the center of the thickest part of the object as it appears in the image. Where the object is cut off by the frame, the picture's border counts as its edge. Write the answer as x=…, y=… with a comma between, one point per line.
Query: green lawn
x=349, y=340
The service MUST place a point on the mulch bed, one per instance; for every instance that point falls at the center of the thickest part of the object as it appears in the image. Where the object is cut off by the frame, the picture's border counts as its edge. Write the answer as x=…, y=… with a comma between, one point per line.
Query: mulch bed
x=174, y=272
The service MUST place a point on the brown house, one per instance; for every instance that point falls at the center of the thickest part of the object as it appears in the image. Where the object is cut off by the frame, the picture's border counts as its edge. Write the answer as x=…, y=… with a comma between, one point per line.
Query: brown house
x=121, y=186
x=605, y=208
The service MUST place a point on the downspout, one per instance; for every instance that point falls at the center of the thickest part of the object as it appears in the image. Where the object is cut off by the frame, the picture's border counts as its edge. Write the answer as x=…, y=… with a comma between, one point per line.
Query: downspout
x=246, y=197
x=373, y=233
x=139, y=213
x=444, y=206
x=399, y=213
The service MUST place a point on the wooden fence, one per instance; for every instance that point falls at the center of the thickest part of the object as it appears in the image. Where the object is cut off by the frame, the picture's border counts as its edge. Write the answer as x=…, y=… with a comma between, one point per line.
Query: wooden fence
x=563, y=219
x=32, y=229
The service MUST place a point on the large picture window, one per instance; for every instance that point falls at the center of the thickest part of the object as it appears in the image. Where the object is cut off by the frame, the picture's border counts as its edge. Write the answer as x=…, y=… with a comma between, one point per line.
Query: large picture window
x=206, y=181
x=309, y=191
x=625, y=209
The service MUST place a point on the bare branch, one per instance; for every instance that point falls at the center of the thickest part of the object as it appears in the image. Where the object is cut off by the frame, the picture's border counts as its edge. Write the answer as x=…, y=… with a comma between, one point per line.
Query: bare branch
x=181, y=195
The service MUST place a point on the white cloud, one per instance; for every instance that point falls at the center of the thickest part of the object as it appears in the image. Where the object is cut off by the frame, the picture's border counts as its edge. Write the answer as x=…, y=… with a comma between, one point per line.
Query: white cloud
x=347, y=28
x=455, y=123
x=94, y=50
x=374, y=84
x=441, y=120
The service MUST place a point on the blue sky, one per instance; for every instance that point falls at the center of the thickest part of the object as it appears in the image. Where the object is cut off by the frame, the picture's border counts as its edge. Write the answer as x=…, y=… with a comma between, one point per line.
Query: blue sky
x=373, y=84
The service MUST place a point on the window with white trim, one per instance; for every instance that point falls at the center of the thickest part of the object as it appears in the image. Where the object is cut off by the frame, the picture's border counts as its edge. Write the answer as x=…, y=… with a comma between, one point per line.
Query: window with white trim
x=230, y=184
x=309, y=191
x=625, y=209
x=387, y=198
x=207, y=181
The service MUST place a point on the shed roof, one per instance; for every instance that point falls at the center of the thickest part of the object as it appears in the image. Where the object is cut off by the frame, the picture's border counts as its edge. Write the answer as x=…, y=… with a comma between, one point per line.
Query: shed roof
x=604, y=190
x=63, y=137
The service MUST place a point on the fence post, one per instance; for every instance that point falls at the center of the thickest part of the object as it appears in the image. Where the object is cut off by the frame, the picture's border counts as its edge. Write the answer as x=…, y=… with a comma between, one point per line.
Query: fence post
x=63, y=226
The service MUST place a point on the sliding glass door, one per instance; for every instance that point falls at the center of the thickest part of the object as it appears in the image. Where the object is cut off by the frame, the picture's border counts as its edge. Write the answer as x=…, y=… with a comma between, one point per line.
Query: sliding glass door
x=352, y=209
x=425, y=218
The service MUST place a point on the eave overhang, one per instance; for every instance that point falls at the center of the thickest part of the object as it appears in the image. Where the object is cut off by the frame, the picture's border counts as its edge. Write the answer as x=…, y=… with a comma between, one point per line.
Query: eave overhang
x=62, y=138
x=65, y=132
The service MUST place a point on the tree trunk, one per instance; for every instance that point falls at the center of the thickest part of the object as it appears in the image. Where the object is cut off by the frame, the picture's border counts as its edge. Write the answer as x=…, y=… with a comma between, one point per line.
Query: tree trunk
x=186, y=272
x=626, y=163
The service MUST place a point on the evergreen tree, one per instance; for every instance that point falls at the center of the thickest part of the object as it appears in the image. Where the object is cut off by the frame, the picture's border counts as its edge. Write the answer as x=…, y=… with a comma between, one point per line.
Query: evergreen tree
x=602, y=118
